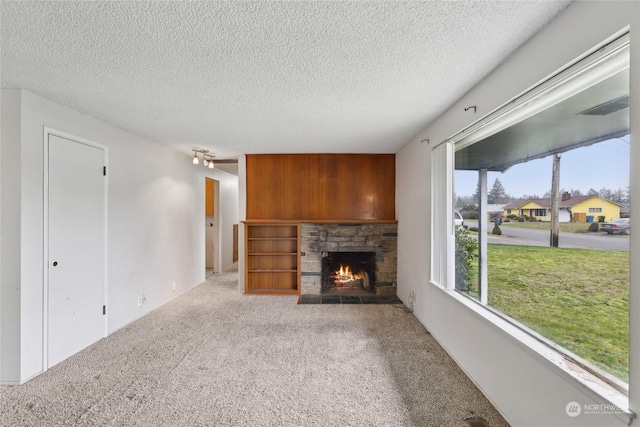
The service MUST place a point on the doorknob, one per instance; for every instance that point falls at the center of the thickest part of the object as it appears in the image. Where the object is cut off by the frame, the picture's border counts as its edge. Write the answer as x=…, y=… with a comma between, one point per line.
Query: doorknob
x=55, y=263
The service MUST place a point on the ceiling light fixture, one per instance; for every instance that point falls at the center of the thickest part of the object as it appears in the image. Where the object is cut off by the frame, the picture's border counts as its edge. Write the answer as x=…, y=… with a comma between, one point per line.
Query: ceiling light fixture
x=197, y=151
x=207, y=159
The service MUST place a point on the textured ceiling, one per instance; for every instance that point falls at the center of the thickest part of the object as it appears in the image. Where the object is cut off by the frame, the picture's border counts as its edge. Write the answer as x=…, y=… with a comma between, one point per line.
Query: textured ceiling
x=263, y=77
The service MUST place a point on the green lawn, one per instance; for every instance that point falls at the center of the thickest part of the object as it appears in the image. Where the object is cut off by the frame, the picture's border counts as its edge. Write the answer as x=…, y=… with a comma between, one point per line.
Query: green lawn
x=578, y=298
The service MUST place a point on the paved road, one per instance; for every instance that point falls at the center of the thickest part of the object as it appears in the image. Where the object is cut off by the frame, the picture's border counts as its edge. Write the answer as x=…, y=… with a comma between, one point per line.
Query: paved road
x=530, y=237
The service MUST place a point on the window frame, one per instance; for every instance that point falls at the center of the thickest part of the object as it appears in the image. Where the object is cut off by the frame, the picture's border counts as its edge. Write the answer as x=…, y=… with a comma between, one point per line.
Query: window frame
x=613, y=389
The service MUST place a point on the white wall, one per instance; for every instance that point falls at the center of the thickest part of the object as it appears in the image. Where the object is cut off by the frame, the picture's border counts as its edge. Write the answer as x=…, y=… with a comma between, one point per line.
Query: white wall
x=155, y=218
x=1, y=235
x=524, y=386
x=10, y=237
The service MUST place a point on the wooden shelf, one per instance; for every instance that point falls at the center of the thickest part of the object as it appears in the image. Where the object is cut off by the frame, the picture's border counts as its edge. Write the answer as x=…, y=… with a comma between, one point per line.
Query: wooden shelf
x=273, y=254
x=272, y=258
x=272, y=238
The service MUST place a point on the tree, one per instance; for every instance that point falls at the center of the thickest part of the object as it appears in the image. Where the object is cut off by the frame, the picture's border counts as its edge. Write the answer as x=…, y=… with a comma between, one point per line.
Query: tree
x=466, y=252
x=529, y=196
x=547, y=194
x=476, y=196
x=617, y=196
x=497, y=192
x=592, y=192
x=627, y=196
x=605, y=193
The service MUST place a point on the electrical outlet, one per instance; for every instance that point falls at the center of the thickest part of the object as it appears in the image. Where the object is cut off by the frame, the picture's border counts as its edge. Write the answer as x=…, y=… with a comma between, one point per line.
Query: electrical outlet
x=173, y=287
x=140, y=300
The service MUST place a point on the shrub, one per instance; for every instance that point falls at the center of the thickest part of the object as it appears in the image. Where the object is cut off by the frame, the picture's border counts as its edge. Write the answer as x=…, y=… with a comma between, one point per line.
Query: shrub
x=496, y=230
x=466, y=252
x=469, y=214
x=594, y=226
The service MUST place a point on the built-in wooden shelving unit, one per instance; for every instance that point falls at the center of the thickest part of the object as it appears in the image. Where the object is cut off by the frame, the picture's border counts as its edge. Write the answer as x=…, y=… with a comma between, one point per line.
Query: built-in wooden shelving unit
x=272, y=258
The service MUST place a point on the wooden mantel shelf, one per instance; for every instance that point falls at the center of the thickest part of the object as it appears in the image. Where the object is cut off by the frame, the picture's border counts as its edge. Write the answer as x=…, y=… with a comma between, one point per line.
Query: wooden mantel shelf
x=320, y=221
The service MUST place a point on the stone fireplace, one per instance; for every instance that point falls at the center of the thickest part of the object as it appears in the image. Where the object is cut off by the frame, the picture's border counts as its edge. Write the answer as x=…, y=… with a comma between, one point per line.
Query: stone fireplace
x=368, y=249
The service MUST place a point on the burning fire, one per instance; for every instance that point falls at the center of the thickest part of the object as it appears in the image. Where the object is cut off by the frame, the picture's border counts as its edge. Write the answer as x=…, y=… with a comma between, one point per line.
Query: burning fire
x=346, y=275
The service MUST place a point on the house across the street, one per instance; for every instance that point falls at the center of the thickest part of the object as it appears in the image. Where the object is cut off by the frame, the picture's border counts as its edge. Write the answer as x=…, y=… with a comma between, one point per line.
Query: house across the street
x=572, y=208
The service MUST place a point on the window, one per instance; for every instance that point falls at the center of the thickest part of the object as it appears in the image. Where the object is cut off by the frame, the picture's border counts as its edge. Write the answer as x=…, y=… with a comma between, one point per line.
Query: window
x=579, y=113
x=508, y=211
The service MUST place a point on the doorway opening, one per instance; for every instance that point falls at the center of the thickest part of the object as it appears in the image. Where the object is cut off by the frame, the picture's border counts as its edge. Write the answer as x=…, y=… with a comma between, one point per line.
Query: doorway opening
x=212, y=227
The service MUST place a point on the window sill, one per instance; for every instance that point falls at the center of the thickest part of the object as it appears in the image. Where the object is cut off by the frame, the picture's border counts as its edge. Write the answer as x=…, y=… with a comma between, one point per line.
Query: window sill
x=560, y=362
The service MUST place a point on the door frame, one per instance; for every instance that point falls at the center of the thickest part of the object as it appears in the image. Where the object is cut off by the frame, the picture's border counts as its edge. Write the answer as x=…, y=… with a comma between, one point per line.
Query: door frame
x=217, y=227
x=47, y=131
x=217, y=256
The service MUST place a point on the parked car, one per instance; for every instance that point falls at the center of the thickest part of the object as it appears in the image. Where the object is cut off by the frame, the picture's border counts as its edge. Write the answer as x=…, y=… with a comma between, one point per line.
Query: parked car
x=617, y=226
x=457, y=219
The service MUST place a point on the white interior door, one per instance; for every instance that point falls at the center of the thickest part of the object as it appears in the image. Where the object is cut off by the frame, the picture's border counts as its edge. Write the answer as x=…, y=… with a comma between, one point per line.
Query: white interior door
x=76, y=213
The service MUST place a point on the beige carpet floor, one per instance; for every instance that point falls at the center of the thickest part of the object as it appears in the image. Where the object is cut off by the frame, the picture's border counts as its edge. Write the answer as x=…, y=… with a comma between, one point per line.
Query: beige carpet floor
x=214, y=357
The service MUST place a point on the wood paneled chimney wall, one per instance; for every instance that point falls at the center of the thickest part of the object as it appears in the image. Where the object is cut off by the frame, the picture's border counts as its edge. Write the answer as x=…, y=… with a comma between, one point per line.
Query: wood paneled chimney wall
x=321, y=187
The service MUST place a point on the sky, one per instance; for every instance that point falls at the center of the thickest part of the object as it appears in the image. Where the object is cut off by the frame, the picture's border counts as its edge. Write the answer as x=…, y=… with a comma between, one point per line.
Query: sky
x=605, y=164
